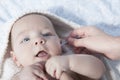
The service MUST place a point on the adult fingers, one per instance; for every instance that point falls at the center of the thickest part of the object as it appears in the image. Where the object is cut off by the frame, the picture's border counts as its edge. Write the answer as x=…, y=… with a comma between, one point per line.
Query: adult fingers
x=77, y=42
x=85, y=31
x=81, y=32
x=77, y=33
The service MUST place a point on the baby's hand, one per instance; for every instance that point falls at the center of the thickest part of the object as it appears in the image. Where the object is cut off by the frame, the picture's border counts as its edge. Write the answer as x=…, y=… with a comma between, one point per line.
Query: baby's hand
x=32, y=72
x=55, y=66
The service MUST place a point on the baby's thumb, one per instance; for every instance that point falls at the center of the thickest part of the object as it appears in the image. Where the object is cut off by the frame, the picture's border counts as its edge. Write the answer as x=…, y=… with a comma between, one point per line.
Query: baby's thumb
x=44, y=77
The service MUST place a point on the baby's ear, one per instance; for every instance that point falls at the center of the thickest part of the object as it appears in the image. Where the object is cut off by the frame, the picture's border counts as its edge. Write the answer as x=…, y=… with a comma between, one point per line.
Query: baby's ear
x=12, y=54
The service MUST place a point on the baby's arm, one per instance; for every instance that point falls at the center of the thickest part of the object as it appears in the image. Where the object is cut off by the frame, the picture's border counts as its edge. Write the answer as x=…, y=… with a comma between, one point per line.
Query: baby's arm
x=86, y=65
x=82, y=64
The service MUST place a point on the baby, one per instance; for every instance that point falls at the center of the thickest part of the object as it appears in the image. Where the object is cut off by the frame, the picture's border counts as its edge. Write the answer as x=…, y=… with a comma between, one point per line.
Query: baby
x=37, y=50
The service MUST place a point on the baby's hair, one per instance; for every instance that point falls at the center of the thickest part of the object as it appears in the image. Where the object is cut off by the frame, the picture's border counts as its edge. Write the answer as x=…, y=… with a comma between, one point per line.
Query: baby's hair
x=9, y=47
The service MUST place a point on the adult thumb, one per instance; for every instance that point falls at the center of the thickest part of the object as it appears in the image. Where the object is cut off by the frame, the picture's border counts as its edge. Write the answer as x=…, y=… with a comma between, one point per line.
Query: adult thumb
x=76, y=42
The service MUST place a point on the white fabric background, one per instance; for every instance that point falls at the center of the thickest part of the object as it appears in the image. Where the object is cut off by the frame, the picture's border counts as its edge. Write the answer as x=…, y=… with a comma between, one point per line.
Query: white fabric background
x=103, y=13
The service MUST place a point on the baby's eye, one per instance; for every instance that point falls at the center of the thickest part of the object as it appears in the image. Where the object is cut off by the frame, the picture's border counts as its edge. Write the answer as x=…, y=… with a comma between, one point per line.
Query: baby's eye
x=25, y=40
x=47, y=34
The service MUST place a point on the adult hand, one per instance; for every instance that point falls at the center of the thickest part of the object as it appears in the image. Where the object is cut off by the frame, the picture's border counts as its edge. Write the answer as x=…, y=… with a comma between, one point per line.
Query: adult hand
x=96, y=40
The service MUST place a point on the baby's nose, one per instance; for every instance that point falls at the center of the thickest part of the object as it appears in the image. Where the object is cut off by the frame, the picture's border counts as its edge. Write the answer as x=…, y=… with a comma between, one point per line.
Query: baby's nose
x=40, y=41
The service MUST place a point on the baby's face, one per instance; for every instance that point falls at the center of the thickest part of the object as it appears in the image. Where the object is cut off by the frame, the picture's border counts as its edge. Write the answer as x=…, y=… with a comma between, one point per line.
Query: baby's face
x=34, y=39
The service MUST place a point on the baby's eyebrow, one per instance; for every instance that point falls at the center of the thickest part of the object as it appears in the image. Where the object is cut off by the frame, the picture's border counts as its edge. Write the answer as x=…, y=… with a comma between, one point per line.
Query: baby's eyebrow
x=21, y=33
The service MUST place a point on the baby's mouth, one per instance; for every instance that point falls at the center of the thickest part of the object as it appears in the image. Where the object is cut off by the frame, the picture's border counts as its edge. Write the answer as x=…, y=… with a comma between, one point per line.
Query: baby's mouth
x=41, y=54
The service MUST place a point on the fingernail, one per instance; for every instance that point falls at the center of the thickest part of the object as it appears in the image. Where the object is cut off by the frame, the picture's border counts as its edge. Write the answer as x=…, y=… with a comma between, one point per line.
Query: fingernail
x=76, y=37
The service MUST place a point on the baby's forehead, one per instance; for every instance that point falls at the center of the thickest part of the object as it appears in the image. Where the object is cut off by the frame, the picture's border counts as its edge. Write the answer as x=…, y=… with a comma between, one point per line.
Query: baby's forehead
x=32, y=17
x=32, y=21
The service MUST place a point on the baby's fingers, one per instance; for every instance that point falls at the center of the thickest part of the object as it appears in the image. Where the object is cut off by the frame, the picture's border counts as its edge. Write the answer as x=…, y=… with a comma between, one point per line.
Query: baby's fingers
x=40, y=75
x=50, y=69
x=58, y=73
x=37, y=71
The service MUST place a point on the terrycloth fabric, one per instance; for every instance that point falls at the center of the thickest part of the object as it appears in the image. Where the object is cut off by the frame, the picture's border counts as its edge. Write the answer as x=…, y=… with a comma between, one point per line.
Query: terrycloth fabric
x=103, y=13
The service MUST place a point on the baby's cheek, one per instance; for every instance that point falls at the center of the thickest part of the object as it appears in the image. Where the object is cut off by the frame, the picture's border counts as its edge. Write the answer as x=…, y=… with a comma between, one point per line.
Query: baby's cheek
x=53, y=48
x=56, y=52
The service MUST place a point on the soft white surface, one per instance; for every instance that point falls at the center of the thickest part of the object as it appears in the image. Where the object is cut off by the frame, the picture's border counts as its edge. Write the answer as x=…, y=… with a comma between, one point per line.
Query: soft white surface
x=102, y=13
